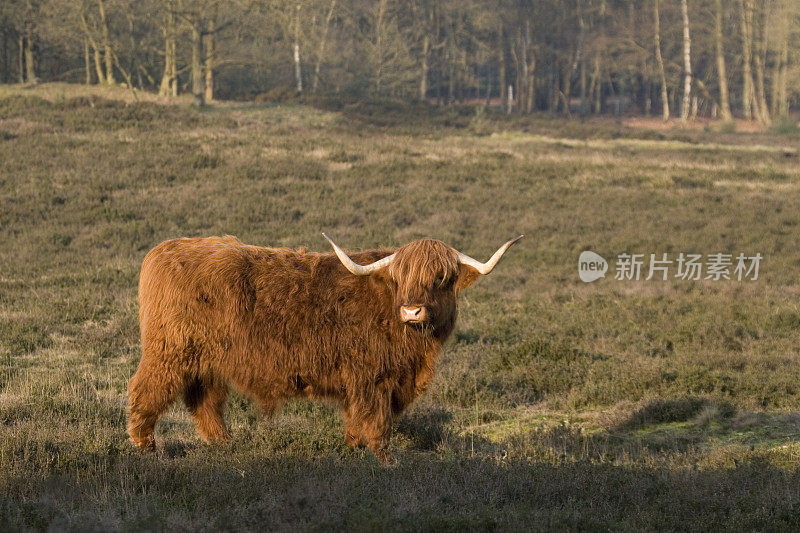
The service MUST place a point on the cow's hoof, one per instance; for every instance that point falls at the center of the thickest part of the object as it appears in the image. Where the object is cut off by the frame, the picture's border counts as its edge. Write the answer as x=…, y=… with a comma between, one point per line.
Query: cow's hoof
x=147, y=444
x=218, y=439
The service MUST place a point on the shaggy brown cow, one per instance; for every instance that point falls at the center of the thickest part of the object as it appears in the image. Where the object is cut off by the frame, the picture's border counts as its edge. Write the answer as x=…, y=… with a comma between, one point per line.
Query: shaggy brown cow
x=276, y=323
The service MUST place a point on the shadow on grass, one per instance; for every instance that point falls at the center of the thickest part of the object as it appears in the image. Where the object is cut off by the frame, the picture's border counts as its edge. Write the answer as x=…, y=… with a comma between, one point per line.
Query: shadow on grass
x=679, y=425
x=425, y=429
x=300, y=476
x=213, y=490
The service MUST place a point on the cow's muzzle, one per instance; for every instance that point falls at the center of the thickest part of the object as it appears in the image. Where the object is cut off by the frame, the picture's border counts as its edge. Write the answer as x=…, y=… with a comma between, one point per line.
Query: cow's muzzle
x=413, y=314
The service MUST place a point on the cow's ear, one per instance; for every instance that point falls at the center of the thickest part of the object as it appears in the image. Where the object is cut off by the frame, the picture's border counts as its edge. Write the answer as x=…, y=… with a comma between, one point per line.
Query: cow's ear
x=466, y=277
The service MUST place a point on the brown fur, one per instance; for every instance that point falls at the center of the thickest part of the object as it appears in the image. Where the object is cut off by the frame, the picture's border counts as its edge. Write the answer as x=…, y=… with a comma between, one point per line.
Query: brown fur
x=278, y=323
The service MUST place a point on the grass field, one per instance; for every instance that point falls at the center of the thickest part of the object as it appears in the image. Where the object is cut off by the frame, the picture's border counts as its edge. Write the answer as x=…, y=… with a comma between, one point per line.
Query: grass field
x=649, y=405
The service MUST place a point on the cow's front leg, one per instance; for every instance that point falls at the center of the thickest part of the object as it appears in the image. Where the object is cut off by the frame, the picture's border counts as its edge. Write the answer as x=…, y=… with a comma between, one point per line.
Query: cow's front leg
x=377, y=423
x=353, y=433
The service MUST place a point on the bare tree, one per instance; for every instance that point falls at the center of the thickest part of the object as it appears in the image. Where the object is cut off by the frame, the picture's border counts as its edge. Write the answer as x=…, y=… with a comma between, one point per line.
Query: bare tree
x=91, y=40
x=783, y=15
x=760, y=58
x=198, y=81
x=210, y=60
x=725, y=105
x=108, y=52
x=169, y=78
x=548, y=52
x=24, y=17
x=200, y=17
x=746, y=17
x=660, y=61
x=298, y=74
x=380, y=42
x=321, y=50
x=687, y=61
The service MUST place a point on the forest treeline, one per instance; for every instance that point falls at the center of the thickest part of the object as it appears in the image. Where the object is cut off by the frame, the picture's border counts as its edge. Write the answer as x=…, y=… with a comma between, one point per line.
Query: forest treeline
x=685, y=58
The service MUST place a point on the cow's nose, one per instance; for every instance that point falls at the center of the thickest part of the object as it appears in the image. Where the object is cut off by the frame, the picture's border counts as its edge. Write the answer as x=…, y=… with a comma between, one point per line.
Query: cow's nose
x=412, y=313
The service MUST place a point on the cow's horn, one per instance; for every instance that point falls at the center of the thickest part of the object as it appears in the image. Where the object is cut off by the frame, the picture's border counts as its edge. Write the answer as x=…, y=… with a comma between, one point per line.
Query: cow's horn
x=355, y=268
x=485, y=268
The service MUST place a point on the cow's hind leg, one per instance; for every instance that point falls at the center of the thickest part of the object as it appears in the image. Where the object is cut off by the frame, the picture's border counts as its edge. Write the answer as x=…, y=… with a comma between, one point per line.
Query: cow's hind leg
x=150, y=391
x=205, y=399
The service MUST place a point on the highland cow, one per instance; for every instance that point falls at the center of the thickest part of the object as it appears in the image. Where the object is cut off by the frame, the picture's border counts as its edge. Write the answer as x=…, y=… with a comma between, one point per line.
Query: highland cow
x=362, y=329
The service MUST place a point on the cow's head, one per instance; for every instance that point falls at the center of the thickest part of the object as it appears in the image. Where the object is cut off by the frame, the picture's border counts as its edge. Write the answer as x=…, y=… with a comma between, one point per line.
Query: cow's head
x=426, y=276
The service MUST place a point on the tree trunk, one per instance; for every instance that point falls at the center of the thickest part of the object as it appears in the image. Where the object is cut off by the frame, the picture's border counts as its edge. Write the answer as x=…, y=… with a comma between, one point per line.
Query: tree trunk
x=107, y=51
x=98, y=60
x=746, y=15
x=488, y=87
x=98, y=66
x=321, y=50
x=725, y=105
x=530, y=69
x=439, y=87
x=594, y=86
x=781, y=32
x=555, y=88
x=298, y=73
x=582, y=60
x=8, y=58
x=21, y=59
x=531, y=98
x=775, y=77
x=124, y=72
x=30, y=61
x=210, y=60
x=583, y=88
x=660, y=61
x=87, y=62
x=522, y=71
x=6, y=77
x=760, y=57
x=687, y=62
x=174, y=70
x=760, y=96
x=451, y=81
x=503, y=80
x=465, y=78
x=198, y=91
x=379, y=48
x=565, y=94
x=783, y=102
x=423, y=77
x=165, y=89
